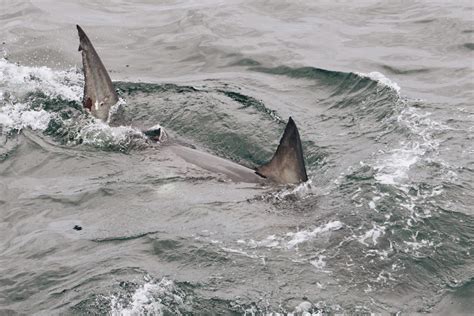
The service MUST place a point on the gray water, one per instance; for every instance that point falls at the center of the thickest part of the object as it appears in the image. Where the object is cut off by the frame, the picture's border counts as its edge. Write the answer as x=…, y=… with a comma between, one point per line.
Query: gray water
x=95, y=220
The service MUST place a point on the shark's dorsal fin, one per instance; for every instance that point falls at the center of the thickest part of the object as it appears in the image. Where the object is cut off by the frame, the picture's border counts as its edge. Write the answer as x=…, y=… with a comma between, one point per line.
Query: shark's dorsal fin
x=99, y=92
x=287, y=164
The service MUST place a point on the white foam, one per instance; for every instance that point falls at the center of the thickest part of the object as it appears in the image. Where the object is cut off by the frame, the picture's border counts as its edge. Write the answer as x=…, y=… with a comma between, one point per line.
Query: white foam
x=149, y=299
x=18, y=80
x=372, y=235
x=372, y=205
x=319, y=263
x=98, y=133
x=240, y=252
x=304, y=235
x=417, y=245
x=20, y=116
x=271, y=241
x=291, y=239
x=304, y=308
x=393, y=169
x=115, y=108
x=381, y=80
x=299, y=191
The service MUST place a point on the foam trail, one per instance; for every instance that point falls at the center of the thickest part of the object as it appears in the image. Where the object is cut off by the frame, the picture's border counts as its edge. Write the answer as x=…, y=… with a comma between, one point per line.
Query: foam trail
x=304, y=235
x=291, y=239
x=393, y=169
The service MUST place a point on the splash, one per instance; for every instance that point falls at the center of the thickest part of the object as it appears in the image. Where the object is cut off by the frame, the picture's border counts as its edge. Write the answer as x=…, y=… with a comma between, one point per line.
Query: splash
x=151, y=298
x=17, y=80
x=99, y=134
x=294, y=192
x=17, y=83
x=44, y=100
x=381, y=80
x=19, y=116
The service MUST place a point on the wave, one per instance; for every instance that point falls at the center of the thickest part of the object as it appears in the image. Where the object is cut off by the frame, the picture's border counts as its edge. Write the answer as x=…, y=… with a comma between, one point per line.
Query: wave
x=331, y=77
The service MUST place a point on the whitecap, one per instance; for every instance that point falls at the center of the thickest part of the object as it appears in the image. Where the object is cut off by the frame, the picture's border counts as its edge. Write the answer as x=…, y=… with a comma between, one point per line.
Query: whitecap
x=381, y=80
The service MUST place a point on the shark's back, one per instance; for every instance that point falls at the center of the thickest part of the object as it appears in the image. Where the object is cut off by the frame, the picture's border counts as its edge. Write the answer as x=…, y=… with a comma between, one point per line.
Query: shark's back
x=286, y=166
x=231, y=170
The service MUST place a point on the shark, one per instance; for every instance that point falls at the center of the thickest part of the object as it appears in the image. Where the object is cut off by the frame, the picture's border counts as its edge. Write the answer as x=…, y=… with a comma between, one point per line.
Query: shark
x=287, y=166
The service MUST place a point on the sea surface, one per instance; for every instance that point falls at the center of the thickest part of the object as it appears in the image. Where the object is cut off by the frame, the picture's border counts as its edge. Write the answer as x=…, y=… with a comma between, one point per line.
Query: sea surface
x=96, y=220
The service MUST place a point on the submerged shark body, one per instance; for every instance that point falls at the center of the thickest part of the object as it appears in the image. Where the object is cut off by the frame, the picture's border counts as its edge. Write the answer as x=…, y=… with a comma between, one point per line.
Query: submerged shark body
x=286, y=166
x=214, y=164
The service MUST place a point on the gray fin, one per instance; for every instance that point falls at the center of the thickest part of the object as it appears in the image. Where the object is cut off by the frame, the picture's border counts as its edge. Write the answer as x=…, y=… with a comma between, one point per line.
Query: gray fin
x=287, y=164
x=99, y=92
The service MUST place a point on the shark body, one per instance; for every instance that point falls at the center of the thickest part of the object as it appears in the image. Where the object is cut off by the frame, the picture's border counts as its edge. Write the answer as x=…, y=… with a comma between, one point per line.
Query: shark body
x=286, y=167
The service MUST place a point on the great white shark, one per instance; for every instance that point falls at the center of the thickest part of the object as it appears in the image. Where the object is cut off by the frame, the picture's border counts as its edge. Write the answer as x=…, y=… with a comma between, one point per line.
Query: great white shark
x=286, y=167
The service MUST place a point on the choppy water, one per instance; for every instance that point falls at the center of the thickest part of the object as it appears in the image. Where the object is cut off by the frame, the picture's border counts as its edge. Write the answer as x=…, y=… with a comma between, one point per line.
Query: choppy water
x=381, y=92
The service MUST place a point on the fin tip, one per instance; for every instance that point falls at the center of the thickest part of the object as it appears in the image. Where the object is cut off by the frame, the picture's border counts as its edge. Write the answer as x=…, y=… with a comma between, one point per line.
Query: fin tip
x=79, y=29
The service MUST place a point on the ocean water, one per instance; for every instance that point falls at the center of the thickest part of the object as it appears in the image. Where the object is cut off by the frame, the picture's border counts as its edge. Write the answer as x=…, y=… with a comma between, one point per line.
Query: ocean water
x=94, y=220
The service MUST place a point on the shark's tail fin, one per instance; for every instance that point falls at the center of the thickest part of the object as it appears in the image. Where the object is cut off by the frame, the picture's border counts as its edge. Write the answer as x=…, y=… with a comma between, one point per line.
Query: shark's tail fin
x=287, y=164
x=99, y=92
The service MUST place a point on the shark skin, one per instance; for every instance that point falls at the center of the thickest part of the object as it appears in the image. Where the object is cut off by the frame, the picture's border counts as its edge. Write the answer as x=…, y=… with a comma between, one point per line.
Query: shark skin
x=233, y=171
x=286, y=167
x=99, y=92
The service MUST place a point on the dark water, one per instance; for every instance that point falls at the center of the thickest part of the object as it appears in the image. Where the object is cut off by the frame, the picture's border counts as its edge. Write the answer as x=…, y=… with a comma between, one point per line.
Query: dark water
x=94, y=220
